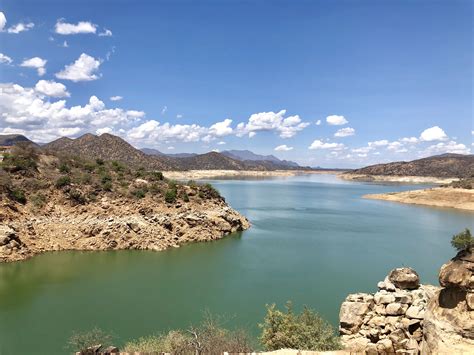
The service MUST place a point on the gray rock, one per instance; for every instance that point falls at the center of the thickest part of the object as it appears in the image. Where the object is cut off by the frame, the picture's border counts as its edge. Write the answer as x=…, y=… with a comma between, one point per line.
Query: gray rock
x=404, y=278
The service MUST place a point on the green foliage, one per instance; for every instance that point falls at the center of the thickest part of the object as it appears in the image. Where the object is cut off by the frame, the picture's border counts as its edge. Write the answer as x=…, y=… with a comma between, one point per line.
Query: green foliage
x=107, y=186
x=77, y=197
x=38, y=200
x=118, y=166
x=170, y=195
x=304, y=331
x=106, y=182
x=89, y=167
x=184, y=196
x=80, y=341
x=139, y=192
x=140, y=173
x=211, y=191
x=63, y=181
x=463, y=240
x=172, y=184
x=64, y=168
x=156, y=176
x=175, y=342
x=155, y=188
x=18, y=195
x=99, y=161
x=23, y=158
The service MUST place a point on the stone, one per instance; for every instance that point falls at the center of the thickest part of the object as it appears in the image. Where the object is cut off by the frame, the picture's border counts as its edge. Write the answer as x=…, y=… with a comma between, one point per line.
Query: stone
x=394, y=309
x=416, y=312
x=352, y=313
x=384, y=297
x=459, y=272
x=111, y=350
x=402, y=297
x=404, y=278
x=470, y=300
x=385, y=346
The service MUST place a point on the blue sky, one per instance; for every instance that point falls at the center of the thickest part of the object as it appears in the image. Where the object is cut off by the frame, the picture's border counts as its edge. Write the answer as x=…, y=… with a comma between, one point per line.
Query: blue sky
x=387, y=80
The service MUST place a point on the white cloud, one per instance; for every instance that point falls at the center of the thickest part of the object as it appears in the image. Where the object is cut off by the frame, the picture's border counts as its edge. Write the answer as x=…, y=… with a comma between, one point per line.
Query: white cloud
x=3, y=21
x=221, y=143
x=446, y=147
x=36, y=63
x=271, y=121
x=252, y=134
x=345, y=132
x=105, y=33
x=318, y=122
x=380, y=143
x=363, y=150
x=433, y=134
x=64, y=28
x=394, y=146
x=170, y=148
x=21, y=27
x=83, y=69
x=179, y=116
x=164, y=109
x=51, y=88
x=116, y=98
x=152, y=131
x=336, y=120
x=283, y=148
x=221, y=129
x=318, y=144
x=4, y=59
x=65, y=45
x=411, y=140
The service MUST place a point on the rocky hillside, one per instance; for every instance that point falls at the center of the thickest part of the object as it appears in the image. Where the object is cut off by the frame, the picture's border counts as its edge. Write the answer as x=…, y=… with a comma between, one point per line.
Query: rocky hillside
x=52, y=202
x=8, y=140
x=247, y=155
x=407, y=317
x=443, y=166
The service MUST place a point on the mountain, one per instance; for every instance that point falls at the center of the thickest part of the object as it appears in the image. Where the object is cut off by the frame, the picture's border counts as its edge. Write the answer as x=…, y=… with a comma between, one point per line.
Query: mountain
x=150, y=151
x=106, y=147
x=8, y=140
x=245, y=155
x=445, y=165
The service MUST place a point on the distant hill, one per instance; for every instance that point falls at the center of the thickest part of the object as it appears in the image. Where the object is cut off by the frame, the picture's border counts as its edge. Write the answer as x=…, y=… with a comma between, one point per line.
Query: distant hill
x=8, y=140
x=445, y=165
x=150, y=151
x=244, y=155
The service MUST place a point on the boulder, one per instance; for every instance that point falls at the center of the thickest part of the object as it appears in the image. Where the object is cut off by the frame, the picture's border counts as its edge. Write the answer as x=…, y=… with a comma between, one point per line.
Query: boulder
x=352, y=314
x=404, y=278
x=416, y=312
x=459, y=272
x=394, y=309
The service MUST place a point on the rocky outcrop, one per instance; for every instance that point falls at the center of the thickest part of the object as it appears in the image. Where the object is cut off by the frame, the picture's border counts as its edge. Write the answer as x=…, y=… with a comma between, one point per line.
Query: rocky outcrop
x=113, y=224
x=449, y=318
x=389, y=321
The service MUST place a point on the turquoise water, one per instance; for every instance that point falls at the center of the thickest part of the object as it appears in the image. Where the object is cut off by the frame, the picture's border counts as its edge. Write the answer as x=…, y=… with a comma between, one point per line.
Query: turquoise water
x=313, y=240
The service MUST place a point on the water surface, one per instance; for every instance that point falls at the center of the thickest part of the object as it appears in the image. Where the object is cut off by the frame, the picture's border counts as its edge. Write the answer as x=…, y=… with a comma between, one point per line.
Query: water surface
x=313, y=240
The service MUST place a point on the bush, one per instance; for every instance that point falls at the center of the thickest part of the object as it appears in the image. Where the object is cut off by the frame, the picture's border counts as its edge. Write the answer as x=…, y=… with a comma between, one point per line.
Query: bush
x=107, y=186
x=38, y=200
x=64, y=168
x=156, y=176
x=118, y=166
x=23, y=158
x=463, y=240
x=77, y=197
x=18, y=195
x=89, y=167
x=80, y=341
x=185, y=197
x=170, y=196
x=304, y=331
x=139, y=193
x=211, y=191
x=175, y=342
x=99, y=161
x=63, y=181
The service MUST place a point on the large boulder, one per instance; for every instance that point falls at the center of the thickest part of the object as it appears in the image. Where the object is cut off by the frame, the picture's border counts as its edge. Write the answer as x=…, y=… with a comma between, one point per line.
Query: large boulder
x=404, y=278
x=459, y=272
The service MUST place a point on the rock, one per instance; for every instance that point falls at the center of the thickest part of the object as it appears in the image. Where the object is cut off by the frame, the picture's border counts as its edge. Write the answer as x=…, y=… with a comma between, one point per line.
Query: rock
x=416, y=312
x=111, y=350
x=351, y=315
x=459, y=272
x=385, y=346
x=394, y=309
x=384, y=297
x=404, y=278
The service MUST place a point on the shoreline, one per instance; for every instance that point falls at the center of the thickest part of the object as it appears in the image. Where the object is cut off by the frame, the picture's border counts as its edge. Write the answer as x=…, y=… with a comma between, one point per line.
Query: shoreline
x=208, y=174
x=397, y=179
x=447, y=197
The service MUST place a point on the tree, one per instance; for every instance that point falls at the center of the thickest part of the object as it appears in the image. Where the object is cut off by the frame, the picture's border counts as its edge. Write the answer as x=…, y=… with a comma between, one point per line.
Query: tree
x=303, y=331
x=463, y=240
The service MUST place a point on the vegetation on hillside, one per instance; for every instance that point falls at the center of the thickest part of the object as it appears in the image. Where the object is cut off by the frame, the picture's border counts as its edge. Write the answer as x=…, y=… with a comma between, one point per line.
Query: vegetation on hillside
x=462, y=240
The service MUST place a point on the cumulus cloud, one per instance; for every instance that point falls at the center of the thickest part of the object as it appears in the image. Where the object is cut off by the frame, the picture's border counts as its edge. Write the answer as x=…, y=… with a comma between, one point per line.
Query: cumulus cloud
x=116, y=98
x=36, y=63
x=411, y=140
x=363, y=150
x=283, y=148
x=21, y=27
x=318, y=144
x=179, y=116
x=446, y=147
x=433, y=134
x=221, y=143
x=105, y=33
x=64, y=28
x=4, y=59
x=27, y=111
x=345, y=132
x=83, y=69
x=51, y=88
x=286, y=127
x=336, y=120
x=318, y=122
x=153, y=131
x=380, y=143
x=221, y=129
x=3, y=21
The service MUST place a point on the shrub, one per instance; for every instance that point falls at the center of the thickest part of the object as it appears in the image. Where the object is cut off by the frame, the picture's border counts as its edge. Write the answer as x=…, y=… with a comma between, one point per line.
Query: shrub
x=463, y=240
x=211, y=191
x=185, y=197
x=80, y=341
x=107, y=186
x=99, y=161
x=175, y=342
x=89, y=167
x=64, y=168
x=140, y=173
x=304, y=331
x=5, y=181
x=172, y=184
x=63, y=181
x=155, y=188
x=139, y=193
x=118, y=166
x=23, y=158
x=77, y=197
x=170, y=195
x=156, y=176
x=38, y=200
x=18, y=195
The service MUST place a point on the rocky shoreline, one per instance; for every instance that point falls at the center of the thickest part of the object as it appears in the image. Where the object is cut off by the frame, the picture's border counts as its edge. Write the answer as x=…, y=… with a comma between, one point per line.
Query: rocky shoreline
x=402, y=179
x=113, y=224
x=409, y=318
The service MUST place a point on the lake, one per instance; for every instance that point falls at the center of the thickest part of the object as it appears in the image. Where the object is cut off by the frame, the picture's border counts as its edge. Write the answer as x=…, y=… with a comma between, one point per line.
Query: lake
x=313, y=240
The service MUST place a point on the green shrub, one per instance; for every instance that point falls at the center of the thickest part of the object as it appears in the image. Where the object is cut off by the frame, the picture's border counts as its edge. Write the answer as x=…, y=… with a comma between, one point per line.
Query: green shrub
x=463, y=240
x=99, y=161
x=38, y=200
x=118, y=166
x=140, y=173
x=304, y=331
x=63, y=181
x=170, y=195
x=175, y=342
x=156, y=176
x=80, y=341
x=64, y=168
x=139, y=192
x=185, y=197
x=77, y=196
x=172, y=184
x=89, y=167
x=18, y=195
x=107, y=186
x=211, y=191
x=23, y=158
x=155, y=188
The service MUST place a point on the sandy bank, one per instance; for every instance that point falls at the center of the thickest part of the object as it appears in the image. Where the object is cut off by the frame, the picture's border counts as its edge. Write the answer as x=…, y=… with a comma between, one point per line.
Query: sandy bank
x=207, y=174
x=397, y=179
x=438, y=197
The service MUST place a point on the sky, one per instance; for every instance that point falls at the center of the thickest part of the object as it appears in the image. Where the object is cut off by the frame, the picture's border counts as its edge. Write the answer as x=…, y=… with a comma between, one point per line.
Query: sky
x=325, y=83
